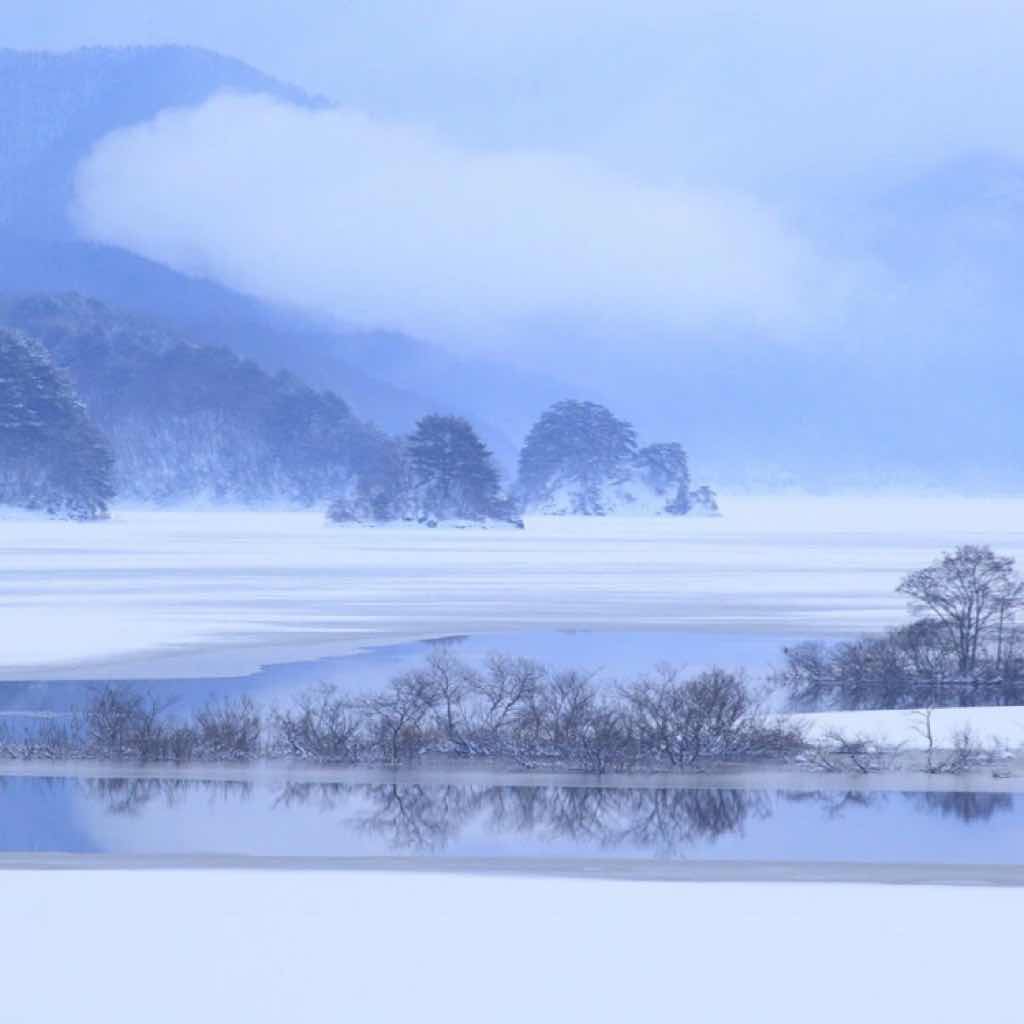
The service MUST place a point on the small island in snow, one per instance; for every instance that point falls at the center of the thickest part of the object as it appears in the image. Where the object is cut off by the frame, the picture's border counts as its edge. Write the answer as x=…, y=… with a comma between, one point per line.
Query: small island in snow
x=580, y=459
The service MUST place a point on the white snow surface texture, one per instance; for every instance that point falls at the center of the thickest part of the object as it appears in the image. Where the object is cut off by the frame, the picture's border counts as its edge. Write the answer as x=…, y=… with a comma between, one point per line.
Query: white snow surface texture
x=153, y=581
x=988, y=725
x=167, y=947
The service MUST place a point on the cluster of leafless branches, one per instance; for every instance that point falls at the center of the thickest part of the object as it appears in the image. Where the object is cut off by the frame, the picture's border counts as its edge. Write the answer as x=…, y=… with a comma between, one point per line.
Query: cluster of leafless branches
x=963, y=648
x=513, y=710
x=861, y=754
x=120, y=723
x=850, y=755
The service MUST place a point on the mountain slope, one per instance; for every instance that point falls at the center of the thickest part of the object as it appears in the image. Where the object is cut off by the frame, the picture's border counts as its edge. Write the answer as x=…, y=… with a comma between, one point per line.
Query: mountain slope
x=54, y=107
x=187, y=420
x=52, y=457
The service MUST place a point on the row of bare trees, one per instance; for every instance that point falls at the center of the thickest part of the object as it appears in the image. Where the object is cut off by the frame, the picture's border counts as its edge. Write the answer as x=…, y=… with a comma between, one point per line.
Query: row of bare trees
x=513, y=710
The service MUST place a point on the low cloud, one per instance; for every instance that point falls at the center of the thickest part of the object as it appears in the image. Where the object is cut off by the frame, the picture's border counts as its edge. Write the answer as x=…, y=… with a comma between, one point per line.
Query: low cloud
x=387, y=225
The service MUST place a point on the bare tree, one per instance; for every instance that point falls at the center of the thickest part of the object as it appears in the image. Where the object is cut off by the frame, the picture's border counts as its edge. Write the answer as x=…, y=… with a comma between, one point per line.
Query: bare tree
x=503, y=695
x=396, y=719
x=449, y=679
x=230, y=729
x=973, y=593
x=965, y=753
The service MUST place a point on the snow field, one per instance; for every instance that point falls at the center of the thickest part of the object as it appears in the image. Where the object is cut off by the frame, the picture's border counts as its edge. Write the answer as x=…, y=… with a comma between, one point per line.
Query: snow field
x=1001, y=726
x=254, y=946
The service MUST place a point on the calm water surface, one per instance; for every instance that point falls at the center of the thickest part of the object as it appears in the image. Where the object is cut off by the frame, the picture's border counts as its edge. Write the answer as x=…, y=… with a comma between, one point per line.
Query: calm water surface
x=159, y=816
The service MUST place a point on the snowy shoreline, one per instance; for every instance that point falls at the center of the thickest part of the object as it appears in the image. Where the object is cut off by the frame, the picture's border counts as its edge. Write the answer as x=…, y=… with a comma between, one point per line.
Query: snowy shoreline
x=745, y=776
x=629, y=870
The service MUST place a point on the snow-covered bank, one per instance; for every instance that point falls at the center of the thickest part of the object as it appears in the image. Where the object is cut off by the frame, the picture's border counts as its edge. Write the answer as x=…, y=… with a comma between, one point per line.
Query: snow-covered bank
x=1001, y=726
x=257, y=586
x=260, y=946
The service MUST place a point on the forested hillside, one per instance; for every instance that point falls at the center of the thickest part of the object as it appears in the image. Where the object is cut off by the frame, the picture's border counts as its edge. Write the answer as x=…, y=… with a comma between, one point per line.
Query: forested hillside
x=187, y=420
x=52, y=458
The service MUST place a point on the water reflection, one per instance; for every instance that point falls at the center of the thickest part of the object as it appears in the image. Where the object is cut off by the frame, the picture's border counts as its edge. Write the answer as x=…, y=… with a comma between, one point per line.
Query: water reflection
x=129, y=797
x=305, y=818
x=966, y=807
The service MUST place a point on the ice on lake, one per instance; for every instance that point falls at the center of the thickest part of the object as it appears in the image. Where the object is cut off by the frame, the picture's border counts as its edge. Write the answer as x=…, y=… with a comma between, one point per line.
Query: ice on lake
x=182, y=592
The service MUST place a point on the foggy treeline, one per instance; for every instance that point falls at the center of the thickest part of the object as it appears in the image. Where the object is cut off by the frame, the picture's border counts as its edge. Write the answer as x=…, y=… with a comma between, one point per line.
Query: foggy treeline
x=104, y=404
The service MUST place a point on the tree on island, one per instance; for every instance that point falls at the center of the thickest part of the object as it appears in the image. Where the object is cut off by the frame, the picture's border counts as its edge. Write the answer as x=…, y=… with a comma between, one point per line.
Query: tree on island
x=577, y=444
x=52, y=458
x=666, y=470
x=581, y=459
x=453, y=472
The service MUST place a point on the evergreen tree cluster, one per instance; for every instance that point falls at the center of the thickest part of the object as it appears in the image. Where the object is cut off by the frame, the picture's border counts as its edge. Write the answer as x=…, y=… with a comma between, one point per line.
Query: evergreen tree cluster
x=580, y=459
x=445, y=472
x=95, y=402
x=52, y=457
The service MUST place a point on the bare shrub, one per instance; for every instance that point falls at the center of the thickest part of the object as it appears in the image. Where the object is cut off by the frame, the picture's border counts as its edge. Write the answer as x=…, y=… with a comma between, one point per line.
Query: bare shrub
x=512, y=708
x=121, y=723
x=229, y=730
x=323, y=726
x=966, y=753
x=861, y=754
x=713, y=715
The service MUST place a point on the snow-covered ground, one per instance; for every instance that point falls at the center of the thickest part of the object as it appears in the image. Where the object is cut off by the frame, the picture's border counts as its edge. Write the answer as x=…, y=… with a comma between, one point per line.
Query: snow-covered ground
x=255, y=946
x=248, y=587
x=999, y=726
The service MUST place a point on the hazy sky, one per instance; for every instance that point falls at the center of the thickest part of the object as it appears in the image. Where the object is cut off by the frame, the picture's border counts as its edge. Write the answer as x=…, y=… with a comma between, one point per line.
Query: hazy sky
x=657, y=163
x=748, y=93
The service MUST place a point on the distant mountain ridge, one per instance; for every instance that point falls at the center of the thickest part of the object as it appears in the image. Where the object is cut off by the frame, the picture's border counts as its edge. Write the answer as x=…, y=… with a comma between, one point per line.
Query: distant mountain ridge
x=917, y=383
x=55, y=107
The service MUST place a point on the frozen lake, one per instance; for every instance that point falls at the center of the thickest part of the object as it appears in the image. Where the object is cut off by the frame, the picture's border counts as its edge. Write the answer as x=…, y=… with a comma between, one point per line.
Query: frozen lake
x=187, y=593
x=613, y=656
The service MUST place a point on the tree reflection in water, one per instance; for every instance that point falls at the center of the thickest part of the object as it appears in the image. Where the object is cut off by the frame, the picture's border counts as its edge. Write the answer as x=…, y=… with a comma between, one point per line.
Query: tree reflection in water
x=428, y=818
x=965, y=807
x=130, y=796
